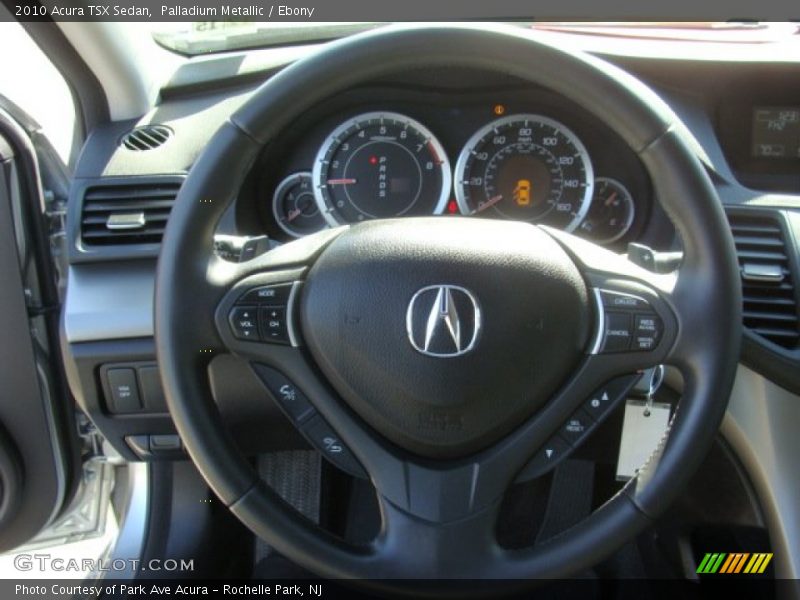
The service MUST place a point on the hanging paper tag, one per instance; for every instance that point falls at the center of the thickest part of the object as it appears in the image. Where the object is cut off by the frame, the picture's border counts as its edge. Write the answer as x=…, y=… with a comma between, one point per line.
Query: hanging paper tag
x=642, y=429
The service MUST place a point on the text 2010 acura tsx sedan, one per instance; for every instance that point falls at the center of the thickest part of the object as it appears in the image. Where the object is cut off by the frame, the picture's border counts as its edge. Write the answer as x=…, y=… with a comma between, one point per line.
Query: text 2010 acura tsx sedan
x=484, y=303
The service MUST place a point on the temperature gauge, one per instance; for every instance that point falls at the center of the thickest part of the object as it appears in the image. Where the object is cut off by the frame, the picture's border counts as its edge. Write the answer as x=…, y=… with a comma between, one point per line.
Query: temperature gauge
x=294, y=206
x=611, y=212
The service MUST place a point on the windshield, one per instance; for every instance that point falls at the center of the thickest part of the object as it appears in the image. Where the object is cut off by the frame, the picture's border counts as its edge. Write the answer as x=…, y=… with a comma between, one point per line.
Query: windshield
x=219, y=36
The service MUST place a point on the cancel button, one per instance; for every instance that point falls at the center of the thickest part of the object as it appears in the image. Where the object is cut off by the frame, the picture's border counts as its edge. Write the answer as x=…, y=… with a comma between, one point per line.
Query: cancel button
x=618, y=332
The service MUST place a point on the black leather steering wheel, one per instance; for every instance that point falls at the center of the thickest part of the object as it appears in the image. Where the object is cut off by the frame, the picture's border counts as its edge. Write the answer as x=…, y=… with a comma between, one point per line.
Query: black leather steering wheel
x=539, y=296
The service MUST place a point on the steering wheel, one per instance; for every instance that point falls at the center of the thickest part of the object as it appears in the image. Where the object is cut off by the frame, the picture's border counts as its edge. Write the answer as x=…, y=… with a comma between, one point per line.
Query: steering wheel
x=529, y=310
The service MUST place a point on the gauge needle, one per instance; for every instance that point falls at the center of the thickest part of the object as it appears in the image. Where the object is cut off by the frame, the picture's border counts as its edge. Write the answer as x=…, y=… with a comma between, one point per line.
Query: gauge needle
x=489, y=203
x=344, y=181
x=293, y=214
x=610, y=200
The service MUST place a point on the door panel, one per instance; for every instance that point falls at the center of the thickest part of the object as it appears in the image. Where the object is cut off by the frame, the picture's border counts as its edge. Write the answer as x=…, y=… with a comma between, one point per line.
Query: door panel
x=38, y=456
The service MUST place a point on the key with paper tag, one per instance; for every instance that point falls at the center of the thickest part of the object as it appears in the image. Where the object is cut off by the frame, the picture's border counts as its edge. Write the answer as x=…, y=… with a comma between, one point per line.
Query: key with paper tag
x=643, y=426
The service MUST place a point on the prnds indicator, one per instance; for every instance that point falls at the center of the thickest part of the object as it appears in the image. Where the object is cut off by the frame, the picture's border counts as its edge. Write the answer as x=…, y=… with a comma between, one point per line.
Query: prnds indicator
x=776, y=132
x=528, y=168
x=380, y=165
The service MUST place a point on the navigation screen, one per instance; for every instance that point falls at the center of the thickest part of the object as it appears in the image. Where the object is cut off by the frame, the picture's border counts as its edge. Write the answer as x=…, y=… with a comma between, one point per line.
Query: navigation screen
x=776, y=132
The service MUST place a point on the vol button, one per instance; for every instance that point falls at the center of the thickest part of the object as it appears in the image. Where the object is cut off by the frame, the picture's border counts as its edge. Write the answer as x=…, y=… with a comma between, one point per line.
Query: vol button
x=244, y=322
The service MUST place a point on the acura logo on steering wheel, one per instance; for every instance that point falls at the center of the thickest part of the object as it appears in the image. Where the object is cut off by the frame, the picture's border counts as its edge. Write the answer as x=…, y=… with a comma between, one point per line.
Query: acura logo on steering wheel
x=443, y=321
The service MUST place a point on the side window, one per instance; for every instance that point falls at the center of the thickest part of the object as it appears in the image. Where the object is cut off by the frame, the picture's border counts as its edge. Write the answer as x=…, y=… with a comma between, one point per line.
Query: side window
x=29, y=80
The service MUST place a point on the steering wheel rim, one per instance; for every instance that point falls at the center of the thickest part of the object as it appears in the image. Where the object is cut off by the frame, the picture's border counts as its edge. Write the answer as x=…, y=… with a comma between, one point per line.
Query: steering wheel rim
x=192, y=283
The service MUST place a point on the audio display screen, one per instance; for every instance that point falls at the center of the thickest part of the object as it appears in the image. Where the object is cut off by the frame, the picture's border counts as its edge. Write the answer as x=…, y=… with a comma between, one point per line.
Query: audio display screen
x=776, y=132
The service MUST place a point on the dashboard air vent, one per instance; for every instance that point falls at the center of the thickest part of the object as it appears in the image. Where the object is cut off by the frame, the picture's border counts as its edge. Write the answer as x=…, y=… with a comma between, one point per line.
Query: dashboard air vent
x=126, y=214
x=770, y=305
x=146, y=137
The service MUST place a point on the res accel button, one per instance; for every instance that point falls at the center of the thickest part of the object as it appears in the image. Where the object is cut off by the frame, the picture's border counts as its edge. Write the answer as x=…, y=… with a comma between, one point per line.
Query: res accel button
x=647, y=332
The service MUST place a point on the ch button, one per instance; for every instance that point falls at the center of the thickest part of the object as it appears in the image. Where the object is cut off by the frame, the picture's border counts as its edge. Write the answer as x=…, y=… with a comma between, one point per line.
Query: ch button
x=272, y=320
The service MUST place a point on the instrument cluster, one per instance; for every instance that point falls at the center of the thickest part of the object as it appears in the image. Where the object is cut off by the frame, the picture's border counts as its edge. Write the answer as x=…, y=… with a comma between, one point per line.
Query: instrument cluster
x=519, y=165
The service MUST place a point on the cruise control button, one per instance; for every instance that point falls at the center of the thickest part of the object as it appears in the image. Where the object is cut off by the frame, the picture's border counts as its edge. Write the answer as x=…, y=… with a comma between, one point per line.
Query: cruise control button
x=647, y=332
x=618, y=332
x=268, y=294
x=545, y=458
x=293, y=401
x=623, y=301
x=326, y=440
x=576, y=427
x=273, y=324
x=244, y=322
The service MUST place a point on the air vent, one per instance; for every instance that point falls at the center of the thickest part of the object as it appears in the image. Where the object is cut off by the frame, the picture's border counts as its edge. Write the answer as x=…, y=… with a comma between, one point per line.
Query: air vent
x=126, y=214
x=147, y=137
x=770, y=304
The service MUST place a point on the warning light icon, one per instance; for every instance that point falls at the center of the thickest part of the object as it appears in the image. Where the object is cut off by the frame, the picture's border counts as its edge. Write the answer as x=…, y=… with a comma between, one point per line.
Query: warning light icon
x=522, y=193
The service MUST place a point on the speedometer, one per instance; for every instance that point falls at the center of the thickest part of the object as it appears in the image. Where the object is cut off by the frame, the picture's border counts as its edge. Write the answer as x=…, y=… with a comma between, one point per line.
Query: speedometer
x=525, y=167
x=380, y=165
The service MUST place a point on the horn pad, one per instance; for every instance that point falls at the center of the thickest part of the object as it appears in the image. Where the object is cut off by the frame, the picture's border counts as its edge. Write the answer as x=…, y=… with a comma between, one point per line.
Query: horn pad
x=445, y=333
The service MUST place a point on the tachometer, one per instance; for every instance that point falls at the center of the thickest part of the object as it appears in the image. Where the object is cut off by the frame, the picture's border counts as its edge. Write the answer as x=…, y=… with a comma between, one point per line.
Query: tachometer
x=380, y=165
x=525, y=167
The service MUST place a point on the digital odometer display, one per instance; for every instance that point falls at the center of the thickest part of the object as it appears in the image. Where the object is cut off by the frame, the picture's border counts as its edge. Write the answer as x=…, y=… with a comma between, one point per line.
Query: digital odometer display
x=776, y=132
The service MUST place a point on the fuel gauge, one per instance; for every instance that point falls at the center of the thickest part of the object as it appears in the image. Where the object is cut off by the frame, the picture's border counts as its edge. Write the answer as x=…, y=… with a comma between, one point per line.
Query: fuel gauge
x=294, y=207
x=611, y=212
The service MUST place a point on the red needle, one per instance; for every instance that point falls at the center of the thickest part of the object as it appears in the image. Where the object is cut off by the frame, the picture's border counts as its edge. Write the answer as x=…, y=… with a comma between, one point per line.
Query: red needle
x=293, y=214
x=489, y=203
x=341, y=181
x=610, y=200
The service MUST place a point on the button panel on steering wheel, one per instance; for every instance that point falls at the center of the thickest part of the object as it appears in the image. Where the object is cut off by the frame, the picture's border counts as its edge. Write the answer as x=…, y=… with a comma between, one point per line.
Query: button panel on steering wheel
x=628, y=323
x=313, y=427
x=578, y=427
x=264, y=314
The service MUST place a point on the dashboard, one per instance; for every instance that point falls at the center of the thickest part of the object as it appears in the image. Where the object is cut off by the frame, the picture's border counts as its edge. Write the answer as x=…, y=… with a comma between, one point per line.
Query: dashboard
x=452, y=142
x=455, y=144
x=497, y=151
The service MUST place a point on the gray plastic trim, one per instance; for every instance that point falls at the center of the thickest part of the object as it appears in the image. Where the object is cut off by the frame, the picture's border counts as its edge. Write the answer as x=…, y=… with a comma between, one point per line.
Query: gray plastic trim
x=133, y=528
x=761, y=427
x=107, y=301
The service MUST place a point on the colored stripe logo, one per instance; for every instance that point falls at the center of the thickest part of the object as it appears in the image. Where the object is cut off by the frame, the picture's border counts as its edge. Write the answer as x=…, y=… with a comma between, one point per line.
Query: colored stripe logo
x=733, y=563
